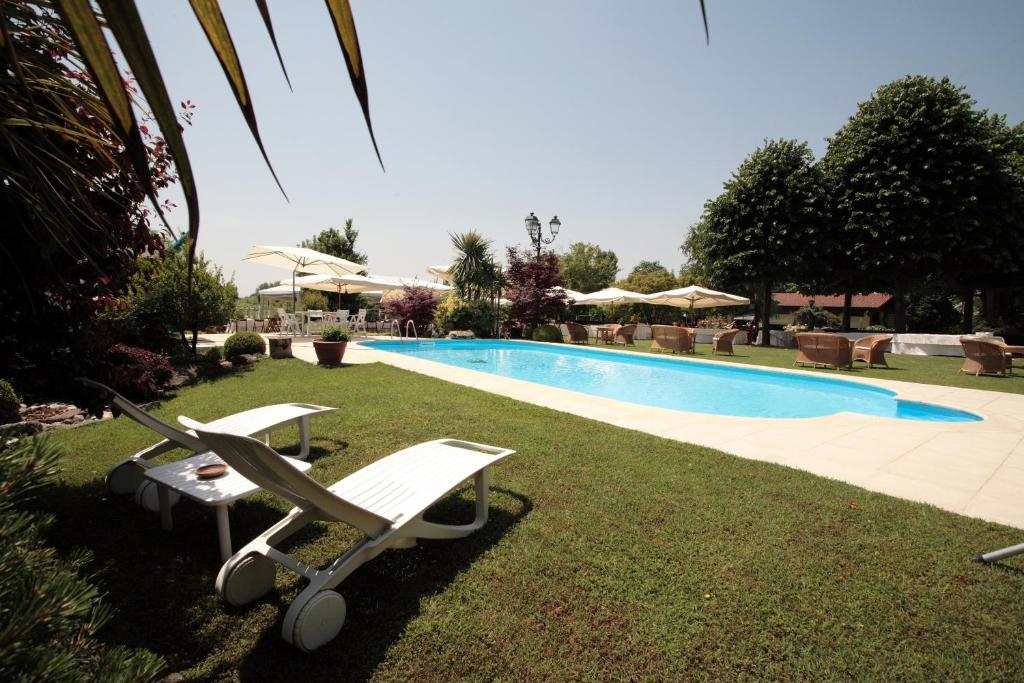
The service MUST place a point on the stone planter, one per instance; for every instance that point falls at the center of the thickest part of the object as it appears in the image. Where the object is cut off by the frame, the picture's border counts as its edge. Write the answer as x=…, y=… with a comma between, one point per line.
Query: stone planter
x=280, y=347
x=329, y=352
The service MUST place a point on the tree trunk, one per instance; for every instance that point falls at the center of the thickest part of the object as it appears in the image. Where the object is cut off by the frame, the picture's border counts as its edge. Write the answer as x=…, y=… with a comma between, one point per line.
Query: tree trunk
x=847, y=303
x=899, y=305
x=766, y=313
x=967, y=325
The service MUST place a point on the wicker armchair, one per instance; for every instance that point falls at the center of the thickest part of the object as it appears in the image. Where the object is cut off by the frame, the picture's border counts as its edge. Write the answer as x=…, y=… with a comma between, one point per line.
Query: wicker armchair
x=871, y=349
x=985, y=356
x=671, y=338
x=825, y=350
x=722, y=342
x=577, y=333
x=624, y=335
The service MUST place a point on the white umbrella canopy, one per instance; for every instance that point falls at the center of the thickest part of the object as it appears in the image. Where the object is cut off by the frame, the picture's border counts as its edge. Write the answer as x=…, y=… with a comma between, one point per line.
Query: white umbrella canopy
x=346, y=284
x=570, y=293
x=442, y=272
x=611, y=295
x=300, y=259
x=696, y=296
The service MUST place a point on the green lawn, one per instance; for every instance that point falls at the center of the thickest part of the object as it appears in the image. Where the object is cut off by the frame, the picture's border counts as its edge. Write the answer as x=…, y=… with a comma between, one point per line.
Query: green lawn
x=610, y=555
x=925, y=369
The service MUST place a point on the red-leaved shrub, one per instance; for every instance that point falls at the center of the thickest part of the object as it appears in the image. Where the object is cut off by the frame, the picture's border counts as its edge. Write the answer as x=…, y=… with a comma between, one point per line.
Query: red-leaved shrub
x=417, y=304
x=137, y=373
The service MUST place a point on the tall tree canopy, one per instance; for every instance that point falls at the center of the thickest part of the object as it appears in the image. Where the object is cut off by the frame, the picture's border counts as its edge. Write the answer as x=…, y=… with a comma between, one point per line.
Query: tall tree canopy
x=341, y=244
x=530, y=282
x=587, y=267
x=922, y=188
x=648, y=277
x=766, y=226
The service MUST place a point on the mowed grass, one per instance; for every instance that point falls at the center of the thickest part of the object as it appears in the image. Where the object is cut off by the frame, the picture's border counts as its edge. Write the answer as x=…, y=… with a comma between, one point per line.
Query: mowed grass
x=609, y=555
x=923, y=369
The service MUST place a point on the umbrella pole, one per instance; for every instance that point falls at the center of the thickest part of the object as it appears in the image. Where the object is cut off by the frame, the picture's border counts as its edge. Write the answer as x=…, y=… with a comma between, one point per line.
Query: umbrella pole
x=294, y=311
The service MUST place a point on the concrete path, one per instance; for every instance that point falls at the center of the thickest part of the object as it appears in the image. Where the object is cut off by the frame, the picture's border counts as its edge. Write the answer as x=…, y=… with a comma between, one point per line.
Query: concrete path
x=972, y=468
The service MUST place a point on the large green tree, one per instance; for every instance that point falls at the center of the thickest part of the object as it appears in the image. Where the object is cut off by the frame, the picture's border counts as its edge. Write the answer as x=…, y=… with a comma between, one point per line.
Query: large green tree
x=340, y=243
x=587, y=267
x=766, y=227
x=337, y=243
x=921, y=189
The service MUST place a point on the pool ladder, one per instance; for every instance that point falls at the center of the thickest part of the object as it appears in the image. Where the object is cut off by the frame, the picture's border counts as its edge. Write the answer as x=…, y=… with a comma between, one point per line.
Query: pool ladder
x=396, y=330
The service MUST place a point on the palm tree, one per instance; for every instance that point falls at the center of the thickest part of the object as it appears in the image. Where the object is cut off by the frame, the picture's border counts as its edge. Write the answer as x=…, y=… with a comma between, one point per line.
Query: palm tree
x=474, y=271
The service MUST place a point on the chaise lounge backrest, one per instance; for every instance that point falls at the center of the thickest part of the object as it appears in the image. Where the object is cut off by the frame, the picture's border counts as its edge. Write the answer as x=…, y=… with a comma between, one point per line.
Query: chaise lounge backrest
x=137, y=414
x=819, y=348
x=261, y=465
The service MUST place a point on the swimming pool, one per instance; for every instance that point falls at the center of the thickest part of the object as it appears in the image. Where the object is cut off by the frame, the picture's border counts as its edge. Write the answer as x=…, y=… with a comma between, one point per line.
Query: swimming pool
x=680, y=384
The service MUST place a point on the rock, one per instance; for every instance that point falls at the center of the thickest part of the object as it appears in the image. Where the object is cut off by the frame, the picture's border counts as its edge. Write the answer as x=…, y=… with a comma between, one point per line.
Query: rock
x=27, y=428
x=172, y=678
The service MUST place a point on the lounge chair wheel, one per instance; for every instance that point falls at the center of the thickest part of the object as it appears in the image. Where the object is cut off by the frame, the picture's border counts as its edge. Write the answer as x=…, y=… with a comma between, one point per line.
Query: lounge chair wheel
x=148, y=497
x=124, y=477
x=246, y=580
x=318, y=621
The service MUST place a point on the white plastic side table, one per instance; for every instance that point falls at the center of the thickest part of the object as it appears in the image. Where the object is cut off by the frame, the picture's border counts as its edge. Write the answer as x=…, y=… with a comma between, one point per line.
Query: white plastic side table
x=218, y=493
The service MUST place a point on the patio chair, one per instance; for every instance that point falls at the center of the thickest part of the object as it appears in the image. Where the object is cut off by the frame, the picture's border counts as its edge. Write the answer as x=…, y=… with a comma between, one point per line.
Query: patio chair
x=385, y=500
x=358, y=321
x=722, y=342
x=825, y=350
x=985, y=356
x=671, y=338
x=127, y=476
x=577, y=333
x=314, y=321
x=871, y=349
x=624, y=335
x=289, y=322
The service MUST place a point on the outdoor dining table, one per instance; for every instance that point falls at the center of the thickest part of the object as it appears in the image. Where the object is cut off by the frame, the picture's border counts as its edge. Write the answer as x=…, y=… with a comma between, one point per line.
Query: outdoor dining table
x=606, y=333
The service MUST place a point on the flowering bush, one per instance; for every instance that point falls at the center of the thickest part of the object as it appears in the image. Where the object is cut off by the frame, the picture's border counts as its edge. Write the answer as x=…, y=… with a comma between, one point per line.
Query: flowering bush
x=416, y=304
x=137, y=373
x=715, y=322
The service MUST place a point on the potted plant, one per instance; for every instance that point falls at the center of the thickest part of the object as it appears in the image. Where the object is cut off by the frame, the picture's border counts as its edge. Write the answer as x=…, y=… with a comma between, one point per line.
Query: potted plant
x=330, y=347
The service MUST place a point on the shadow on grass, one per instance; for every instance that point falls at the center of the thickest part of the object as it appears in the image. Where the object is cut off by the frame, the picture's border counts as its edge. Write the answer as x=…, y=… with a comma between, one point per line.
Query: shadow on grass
x=382, y=597
x=161, y=583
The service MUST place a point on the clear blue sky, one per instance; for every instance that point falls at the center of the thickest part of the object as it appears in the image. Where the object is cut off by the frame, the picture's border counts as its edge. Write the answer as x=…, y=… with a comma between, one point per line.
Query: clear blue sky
x=614, y=115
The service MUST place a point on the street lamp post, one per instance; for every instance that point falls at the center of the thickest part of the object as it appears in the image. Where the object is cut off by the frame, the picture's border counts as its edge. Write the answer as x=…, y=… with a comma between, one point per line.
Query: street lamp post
x=536, y=232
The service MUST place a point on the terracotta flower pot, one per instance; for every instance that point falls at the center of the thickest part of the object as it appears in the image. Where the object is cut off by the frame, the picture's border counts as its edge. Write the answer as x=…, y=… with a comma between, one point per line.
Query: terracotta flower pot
x=328, y=352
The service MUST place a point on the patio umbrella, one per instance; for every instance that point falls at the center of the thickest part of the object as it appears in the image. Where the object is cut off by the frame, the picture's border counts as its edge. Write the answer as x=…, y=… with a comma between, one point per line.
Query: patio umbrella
x=572, y=294
x=696, y=296
x=300, y=259
x=441, y=272
x=611, y=295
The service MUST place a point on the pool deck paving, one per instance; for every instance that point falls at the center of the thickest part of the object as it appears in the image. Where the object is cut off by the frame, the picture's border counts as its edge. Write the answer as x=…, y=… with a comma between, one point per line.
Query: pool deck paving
x=971, y=468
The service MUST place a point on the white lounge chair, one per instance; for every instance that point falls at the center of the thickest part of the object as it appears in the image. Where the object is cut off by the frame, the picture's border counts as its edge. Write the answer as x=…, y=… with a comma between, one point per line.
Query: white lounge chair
x=385, y=500
x=127, y=476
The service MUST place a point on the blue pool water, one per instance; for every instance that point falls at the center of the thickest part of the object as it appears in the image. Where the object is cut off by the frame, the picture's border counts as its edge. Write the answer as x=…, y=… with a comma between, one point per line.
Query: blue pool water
x=721, y=389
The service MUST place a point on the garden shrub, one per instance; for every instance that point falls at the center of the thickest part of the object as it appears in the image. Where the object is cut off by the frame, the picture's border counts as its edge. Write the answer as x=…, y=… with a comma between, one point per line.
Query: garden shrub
x=547, y=333
x=314, y=301
x=51, y=610
x=333, y=334
x=414, y=303
x=456, y=313
x=243, y=343
x=9, y=403
x=137, y=373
